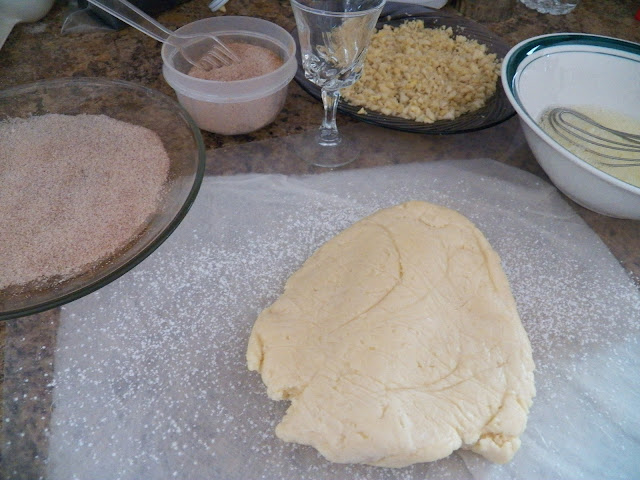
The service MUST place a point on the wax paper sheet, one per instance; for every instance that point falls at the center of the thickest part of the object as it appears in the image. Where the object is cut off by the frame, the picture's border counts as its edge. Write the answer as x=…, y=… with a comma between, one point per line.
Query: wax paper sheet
x=150, y=374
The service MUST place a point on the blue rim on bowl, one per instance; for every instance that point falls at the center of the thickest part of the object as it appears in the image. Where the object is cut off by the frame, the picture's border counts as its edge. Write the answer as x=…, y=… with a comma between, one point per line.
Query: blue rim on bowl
x=128, y=102
x=536, y=44
x=529, y=50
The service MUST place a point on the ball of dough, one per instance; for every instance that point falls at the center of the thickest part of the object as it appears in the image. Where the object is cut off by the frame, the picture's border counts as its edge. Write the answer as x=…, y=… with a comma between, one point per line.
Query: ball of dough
x=398, y=342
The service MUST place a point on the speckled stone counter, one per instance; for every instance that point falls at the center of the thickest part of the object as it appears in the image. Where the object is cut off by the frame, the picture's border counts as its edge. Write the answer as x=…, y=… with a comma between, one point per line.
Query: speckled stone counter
x=40, y=51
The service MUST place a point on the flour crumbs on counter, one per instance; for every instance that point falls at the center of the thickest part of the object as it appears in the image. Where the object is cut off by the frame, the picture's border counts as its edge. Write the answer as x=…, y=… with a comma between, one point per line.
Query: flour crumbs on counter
x=75, y=190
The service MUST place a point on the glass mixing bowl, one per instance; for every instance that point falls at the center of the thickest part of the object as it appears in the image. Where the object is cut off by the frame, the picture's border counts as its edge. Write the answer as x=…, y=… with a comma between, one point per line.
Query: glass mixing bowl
x=134, y=104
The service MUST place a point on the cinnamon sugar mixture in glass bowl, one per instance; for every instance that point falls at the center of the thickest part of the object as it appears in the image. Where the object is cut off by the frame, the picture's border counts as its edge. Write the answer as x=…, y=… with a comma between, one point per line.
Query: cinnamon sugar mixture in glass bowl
x=96, y=174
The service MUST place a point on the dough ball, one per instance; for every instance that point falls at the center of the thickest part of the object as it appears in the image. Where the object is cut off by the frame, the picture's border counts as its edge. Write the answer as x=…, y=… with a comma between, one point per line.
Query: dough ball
x=398, y=342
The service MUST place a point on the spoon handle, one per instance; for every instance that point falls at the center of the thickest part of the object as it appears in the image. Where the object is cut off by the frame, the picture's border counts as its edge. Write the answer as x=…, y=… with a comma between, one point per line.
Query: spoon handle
x=135, y=17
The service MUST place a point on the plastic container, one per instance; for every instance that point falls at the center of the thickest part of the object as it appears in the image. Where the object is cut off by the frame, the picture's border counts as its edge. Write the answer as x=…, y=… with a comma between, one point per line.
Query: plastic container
x=240, y=106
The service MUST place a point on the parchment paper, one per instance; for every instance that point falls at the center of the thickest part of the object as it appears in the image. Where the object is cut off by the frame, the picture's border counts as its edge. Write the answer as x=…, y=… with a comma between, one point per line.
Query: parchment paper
x=150, y=374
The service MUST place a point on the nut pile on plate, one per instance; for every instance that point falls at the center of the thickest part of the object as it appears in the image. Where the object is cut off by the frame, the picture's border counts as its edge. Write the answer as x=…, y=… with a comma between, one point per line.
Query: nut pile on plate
x=424, y=74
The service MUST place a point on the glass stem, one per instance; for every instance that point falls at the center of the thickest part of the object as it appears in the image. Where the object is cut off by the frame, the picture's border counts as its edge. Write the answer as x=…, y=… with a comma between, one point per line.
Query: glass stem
x=329, y=135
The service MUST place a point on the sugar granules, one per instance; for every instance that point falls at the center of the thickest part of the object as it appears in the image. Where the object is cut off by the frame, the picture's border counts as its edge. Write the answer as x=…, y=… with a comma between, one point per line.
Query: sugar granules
x=238, y=117
x=75, y=189
x=162, y=350
x=254, y=61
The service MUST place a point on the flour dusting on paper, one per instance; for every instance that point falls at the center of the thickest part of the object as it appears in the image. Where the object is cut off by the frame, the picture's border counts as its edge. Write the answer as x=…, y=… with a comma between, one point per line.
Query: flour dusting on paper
x=151, y=380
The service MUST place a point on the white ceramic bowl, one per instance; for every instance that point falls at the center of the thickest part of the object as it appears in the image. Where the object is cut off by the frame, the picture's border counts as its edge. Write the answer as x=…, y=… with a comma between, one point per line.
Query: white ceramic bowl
x=571, y=70
x=240, y=106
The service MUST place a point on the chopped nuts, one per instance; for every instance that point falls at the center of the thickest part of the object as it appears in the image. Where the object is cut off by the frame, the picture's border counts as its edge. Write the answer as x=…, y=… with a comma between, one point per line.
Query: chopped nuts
x=424, y=74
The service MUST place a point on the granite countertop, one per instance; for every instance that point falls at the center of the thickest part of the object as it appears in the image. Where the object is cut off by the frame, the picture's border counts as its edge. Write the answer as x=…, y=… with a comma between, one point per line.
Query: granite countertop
x=40, y=51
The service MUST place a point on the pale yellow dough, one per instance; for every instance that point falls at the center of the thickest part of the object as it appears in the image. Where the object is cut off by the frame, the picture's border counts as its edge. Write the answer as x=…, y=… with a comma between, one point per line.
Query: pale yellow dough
x=398, y=342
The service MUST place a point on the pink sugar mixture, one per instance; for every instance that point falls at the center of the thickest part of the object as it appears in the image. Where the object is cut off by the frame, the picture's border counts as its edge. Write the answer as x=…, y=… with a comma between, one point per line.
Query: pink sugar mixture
x=254, y=61
x=75, y=190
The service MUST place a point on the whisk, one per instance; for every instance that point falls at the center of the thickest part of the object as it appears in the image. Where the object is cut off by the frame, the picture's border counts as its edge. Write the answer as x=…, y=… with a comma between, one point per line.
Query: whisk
x=591, y=136
x=216, y=55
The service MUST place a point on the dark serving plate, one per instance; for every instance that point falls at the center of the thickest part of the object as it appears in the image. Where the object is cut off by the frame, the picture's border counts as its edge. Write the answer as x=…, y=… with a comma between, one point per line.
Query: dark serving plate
x=498, y=108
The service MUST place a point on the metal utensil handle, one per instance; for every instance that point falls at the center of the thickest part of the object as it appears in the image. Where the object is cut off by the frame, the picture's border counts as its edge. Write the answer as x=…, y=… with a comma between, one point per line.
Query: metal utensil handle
x=135, y=17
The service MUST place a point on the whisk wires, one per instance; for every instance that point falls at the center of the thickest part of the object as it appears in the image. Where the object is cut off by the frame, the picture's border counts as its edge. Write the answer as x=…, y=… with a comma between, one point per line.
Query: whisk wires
x=591, y=136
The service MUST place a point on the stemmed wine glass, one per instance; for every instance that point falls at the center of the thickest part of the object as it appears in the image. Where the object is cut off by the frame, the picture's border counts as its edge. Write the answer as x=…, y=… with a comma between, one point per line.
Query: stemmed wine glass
x=334, y=36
